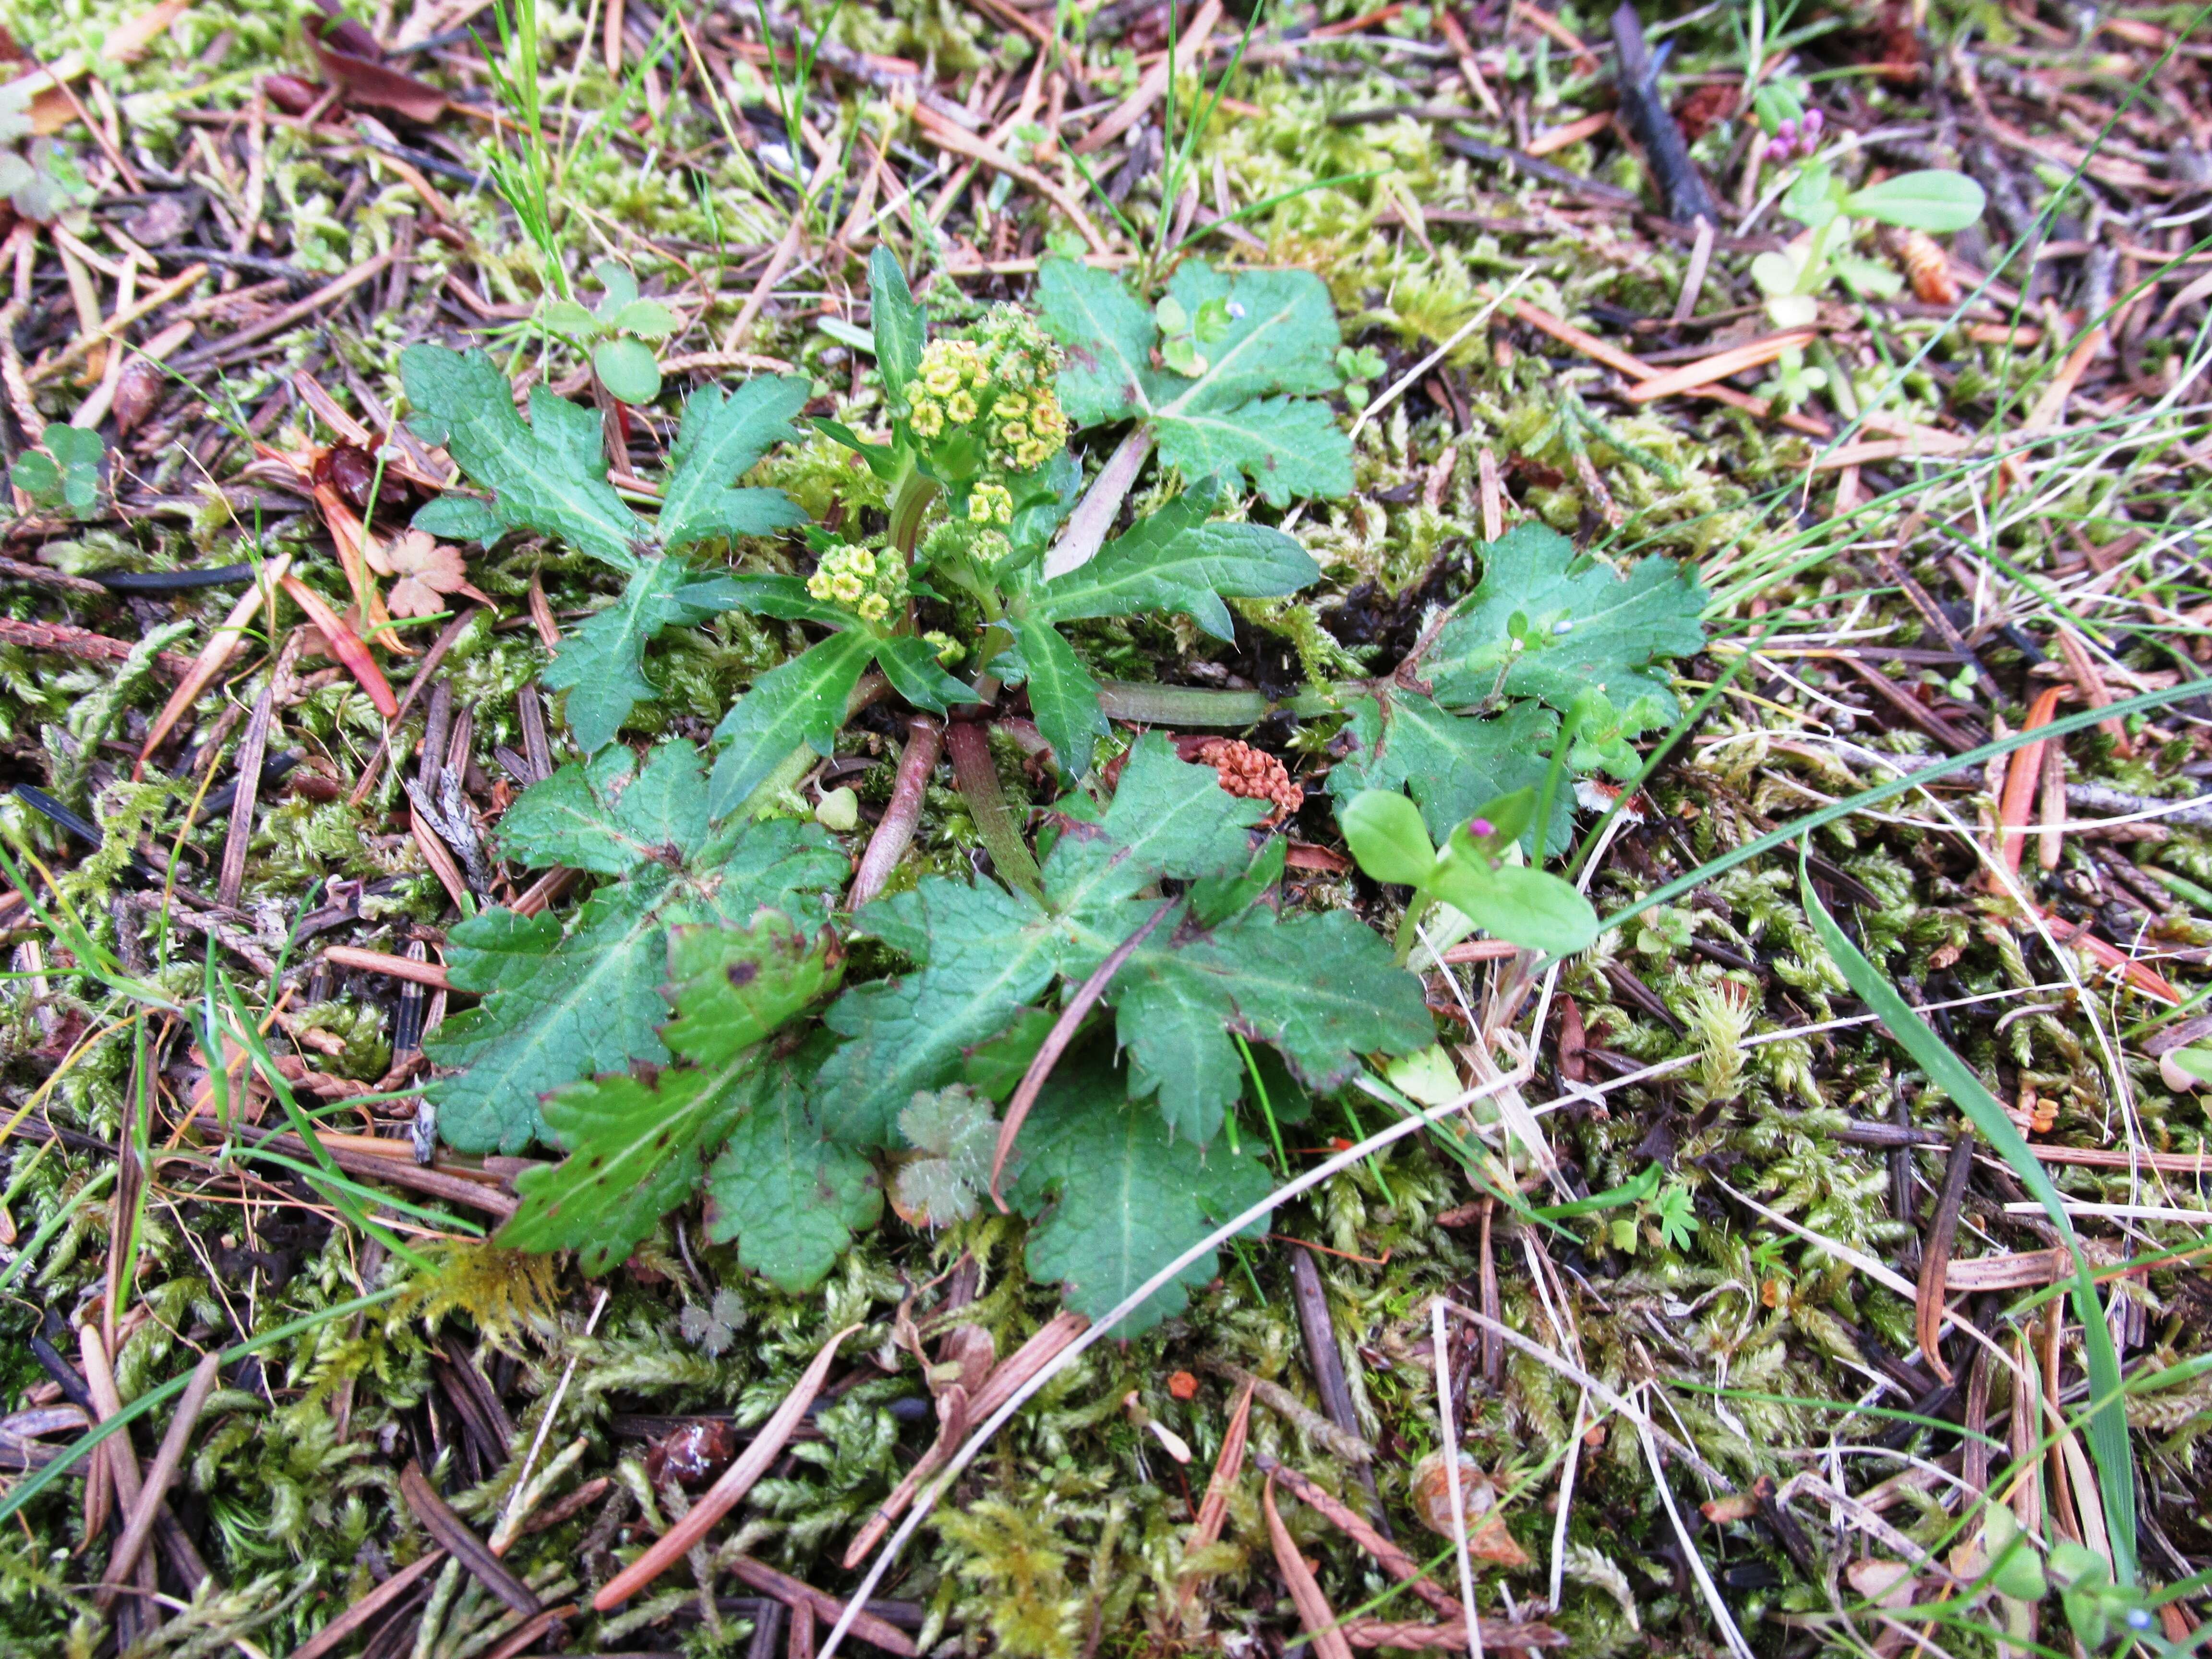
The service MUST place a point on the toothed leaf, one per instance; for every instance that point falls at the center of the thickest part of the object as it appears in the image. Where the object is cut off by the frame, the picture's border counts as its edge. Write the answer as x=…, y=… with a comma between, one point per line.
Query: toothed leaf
x=602, y=665
x=721, y=438
x=1117, y=1196
x=1581, y=627
x=549, y=474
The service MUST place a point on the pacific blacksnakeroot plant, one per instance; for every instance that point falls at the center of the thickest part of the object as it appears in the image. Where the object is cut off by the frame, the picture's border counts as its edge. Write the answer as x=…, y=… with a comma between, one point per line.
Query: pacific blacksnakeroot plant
x=688, y=1024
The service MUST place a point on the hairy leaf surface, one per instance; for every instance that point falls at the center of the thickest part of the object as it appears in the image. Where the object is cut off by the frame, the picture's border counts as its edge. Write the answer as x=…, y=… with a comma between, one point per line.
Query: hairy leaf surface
x=1176, y=561
x=721, y=438
x=1453, y=763
x=791, y=1198
x=1587, y=628
x=635, y=1141
x=549, y=474
x=559, y=1006
x=798, y=701
x=1118, y=1196
x=1242, y=413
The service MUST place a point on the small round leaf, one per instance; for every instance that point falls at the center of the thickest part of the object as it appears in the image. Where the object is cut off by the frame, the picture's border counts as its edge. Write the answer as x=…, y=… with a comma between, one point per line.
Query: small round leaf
x=627, y=369
x=1386, y=835
x=1932, y=199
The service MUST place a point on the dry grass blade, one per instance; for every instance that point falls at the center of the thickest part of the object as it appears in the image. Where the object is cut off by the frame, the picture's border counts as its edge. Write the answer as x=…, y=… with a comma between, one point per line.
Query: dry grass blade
x=1314, y=1610
x=719, y=1499
x=123, y=1559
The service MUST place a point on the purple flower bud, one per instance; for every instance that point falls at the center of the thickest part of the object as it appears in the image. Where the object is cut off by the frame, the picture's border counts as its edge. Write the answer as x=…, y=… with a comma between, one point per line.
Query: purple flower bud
x=1778, y=150
x=1480, y=829
x=1813, y=122
x=1787, y=132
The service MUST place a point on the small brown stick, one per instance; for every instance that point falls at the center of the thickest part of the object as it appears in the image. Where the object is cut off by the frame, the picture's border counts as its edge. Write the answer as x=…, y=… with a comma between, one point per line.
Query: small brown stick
x=811, y=1604
x=1469, y=70
x=1314, y=1610
x=1011, y=1374
x=114, y=325
x=1213, y=1508
x=1402, y=1567
x=251, y=752
x=2050, y=839
x=213, y=655
x=424, y=672
x=1326, y=1362
x=1496, y=1632
x=464, y=1545
x=334, y=1634
x=1910, y=706
x=431, y=974
x=1154, y=85
x=1493, y=494
x=945, y=136
x=45, y=576
x=1056, y=1041
x=1310, y=1422
x=316, y=305
x=894, y=834
x=122, y=1459
x=2083, y=667
x=1936, y=1256
x=719, y=1499
x=153, y=1489
x=84, y=644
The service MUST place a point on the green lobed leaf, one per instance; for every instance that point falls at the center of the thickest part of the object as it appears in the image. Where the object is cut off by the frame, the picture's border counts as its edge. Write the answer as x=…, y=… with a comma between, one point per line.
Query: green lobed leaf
x=638, y=1145
x=1234, y=417
x=736, y=986
x=1174, y=561
x=798, y=701
x=547, y=475
x=911, y=665
x=1116, y=1196
x=602, y=665
x=982, y=954
x=457, y=518
x=899, y=325
x=635, y=1142
x=608, y=815
x=1591, y=627
x=1063, y=695
x=791, y=1198
x=955, y=1138
x=1321, y=987
x=721, y=439
x=557, y=1006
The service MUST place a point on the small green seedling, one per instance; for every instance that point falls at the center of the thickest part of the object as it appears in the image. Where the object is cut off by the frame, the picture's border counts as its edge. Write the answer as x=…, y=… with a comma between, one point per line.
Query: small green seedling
x=1530, y=908
x=1359, y=365
x=65, y=476
x=615, y=331
x=1931, y=199
x=1183, y=334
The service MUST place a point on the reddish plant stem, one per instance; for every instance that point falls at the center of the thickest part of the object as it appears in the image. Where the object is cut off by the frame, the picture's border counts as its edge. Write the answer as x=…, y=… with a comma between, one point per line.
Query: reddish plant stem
x=894, y=833
x=1063, y=1033
x=977, y=777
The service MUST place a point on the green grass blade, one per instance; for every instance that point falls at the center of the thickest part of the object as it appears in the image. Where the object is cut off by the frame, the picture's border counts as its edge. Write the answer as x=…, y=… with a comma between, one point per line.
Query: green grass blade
x=1971, y=761
x=28, y=1488
x=2108, y=1425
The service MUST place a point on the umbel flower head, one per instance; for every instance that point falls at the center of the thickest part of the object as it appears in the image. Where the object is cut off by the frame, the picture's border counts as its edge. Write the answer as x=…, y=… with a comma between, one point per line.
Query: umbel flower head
x=869, y=582
x=1000, y=383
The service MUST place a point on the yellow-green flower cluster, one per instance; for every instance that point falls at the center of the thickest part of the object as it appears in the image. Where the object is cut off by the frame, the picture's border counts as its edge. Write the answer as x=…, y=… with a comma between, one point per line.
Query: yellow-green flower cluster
x=999, y=382
x=990, y=503
x=870, y=584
